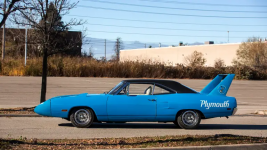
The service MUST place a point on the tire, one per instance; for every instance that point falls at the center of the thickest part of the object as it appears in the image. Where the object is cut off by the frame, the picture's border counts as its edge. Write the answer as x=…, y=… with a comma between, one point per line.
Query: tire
x=189, y=119
x=82, y=117
x=176, y=123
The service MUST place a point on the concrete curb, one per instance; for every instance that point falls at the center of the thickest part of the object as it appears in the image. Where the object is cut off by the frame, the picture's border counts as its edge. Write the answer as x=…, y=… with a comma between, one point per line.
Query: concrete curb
x=261, y=112
x=248, y=115
x=20, y=115
x=36, y=115
x=260, y=146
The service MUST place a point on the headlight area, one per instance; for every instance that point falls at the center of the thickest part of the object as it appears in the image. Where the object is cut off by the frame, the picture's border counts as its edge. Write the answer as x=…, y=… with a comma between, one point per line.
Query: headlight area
x=44, y=108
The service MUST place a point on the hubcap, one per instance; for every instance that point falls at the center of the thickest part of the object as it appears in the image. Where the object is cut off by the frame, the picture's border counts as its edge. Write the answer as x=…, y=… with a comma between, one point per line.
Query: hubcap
x=190, y=118
x=82, y=116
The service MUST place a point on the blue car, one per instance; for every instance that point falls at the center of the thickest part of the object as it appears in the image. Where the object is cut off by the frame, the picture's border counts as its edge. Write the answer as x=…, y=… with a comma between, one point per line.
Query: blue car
x=145, y=100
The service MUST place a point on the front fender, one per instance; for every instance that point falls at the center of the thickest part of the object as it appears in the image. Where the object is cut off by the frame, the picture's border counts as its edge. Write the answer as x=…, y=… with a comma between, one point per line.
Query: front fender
x=62, y=106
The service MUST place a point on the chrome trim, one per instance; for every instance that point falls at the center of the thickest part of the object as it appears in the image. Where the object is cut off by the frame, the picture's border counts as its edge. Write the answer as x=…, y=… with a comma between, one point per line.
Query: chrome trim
x=190, y=118
x=119, y=90
x=166, y=87
x=234, y=111
x=153, y=89
x=153, y=83
x=82, y=116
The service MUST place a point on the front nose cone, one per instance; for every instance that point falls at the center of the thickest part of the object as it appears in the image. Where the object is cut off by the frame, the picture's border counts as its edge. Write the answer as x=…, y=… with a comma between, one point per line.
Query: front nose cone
x=44, y=108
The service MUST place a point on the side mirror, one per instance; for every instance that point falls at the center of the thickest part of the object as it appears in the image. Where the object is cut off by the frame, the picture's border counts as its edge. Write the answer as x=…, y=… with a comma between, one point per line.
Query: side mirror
x=105, y=93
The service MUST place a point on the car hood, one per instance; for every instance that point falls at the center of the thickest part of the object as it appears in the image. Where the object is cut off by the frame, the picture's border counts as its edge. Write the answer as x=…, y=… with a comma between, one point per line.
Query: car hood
x=76, y=95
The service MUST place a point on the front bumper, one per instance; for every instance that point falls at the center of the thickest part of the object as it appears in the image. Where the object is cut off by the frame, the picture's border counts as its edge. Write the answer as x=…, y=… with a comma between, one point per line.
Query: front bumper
x=234, y=111
x=44, y=108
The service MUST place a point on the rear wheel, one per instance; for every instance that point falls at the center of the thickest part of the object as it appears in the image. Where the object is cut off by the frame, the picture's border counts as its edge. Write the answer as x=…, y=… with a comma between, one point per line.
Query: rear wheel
x=82, y=117
x=189, y=119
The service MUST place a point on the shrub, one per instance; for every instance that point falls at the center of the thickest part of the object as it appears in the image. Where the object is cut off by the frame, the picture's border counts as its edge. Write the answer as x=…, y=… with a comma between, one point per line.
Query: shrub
x=252, y=53
x=195, y=59
x=218, y=63
x=86, y=67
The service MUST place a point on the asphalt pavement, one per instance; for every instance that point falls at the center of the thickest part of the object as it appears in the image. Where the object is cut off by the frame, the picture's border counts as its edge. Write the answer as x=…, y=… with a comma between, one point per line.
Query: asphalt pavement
x=57, y=128
x=25, y=91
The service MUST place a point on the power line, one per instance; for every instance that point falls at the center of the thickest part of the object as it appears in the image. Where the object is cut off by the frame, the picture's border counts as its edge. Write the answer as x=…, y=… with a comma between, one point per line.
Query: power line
x=168, y=28
x=164, y=22
x=205, y=4
x=146, y=12
x=177, y=8
x=163, y=34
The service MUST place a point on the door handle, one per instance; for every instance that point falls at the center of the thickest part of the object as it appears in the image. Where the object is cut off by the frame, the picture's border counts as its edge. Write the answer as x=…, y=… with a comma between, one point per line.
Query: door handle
x=152, y=100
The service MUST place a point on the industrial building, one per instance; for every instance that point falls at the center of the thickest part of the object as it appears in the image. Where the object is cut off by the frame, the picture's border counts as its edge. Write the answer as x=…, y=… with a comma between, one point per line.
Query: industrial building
x=174, y=55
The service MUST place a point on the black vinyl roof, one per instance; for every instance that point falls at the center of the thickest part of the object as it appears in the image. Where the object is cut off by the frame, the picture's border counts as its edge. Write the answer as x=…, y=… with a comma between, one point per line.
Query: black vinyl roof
x=176, y=86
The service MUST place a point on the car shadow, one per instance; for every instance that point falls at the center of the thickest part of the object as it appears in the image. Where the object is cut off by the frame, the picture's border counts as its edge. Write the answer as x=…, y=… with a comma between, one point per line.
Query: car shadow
x=171, y=126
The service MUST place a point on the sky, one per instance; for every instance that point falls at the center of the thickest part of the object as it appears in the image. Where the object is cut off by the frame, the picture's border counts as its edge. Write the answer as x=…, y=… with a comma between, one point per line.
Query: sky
x=171, y=21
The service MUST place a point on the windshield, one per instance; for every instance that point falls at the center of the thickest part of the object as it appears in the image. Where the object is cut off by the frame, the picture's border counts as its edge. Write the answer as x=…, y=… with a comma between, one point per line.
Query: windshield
x=116, y=88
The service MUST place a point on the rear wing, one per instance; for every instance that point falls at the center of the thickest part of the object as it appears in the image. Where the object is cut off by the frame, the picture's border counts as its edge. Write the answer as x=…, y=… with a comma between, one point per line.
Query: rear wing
x=219, y=85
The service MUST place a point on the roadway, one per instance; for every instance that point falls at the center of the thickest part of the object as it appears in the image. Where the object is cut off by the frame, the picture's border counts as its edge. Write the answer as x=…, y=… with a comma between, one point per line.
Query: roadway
x=57, y=128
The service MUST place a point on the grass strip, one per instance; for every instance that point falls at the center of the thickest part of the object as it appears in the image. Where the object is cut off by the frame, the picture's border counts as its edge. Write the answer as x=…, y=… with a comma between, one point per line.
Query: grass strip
x=136, y=142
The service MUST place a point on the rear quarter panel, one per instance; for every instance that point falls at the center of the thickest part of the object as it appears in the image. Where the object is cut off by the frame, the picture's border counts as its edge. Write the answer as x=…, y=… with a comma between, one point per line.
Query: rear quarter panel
x=211, y=106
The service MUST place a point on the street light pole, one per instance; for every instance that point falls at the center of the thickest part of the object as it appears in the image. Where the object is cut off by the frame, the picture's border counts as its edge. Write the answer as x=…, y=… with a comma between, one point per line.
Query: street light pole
x=26, y=33
x=26, y=39
x=228, y=36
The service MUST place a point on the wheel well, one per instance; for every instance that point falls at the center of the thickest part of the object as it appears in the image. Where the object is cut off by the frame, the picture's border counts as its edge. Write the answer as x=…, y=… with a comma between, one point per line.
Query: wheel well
x=180, y=111
x=95, y=118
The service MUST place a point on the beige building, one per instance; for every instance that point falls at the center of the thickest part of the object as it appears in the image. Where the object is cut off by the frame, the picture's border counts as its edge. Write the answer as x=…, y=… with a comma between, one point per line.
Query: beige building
x=174, y=55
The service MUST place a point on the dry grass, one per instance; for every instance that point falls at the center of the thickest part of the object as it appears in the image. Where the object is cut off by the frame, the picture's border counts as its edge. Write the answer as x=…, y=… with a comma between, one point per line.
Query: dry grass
x=136, y=142
x=85, y=67
x=19, y=110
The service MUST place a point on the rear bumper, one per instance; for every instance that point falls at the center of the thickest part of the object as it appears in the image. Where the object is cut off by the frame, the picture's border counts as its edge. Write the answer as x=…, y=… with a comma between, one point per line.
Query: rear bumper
x=234, y=111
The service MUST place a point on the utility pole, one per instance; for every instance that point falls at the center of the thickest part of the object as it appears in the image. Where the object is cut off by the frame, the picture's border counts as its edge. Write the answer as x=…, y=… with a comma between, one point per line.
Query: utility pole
x=4, y=33
x=118, y=51
x=228, y=36
x=105, y=50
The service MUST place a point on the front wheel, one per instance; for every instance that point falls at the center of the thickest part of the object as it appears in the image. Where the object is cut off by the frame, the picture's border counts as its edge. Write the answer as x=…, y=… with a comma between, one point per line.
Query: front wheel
x=82, y=117
x=189, y=119
x=176, y=123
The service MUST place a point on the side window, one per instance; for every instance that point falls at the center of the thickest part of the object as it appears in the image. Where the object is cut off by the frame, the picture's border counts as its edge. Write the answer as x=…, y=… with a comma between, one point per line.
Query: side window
x=140, y=89
x=158, y=90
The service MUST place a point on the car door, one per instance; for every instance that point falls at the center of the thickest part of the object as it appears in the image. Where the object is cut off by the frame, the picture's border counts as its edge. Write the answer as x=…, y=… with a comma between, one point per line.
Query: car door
x=166, y=103
x=135, y=105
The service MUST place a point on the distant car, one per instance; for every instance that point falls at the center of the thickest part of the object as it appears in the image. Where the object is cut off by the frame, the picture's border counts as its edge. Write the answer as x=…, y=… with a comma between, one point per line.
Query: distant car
x=145, y=100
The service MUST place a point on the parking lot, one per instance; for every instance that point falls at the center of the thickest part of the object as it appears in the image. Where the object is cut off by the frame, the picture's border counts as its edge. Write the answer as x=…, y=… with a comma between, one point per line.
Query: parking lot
x=25, y=91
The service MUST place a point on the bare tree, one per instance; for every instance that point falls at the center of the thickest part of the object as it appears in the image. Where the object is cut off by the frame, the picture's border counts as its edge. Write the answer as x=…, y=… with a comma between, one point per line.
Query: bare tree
x=11, y=6
x=117, y=47
x=45, y=18
x=252, y=53
x=91, y=53
x=195, y=59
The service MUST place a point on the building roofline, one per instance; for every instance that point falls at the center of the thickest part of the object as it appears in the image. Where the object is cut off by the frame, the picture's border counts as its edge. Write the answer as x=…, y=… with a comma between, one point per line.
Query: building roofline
x=180, y=46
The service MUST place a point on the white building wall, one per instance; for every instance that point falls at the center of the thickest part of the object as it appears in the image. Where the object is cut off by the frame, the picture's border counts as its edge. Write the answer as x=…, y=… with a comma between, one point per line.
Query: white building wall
x=174, y=55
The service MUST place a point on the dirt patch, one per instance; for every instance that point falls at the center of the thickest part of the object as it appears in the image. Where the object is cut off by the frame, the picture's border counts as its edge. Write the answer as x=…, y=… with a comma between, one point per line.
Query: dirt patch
x=18, y=111
x=137, y=142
